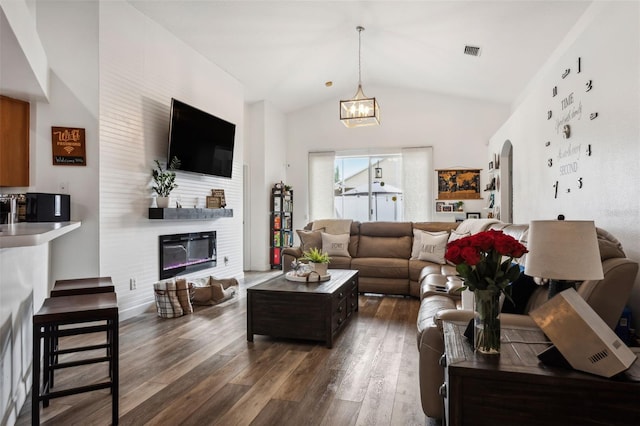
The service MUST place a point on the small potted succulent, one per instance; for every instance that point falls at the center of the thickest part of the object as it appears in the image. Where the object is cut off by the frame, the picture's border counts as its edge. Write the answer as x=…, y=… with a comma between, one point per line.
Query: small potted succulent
x=165, y=181
x=318, y=260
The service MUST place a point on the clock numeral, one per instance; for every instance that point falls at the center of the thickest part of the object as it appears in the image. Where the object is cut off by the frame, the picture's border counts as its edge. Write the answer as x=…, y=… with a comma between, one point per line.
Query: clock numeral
x=579, y=65
x=588, y=151
x=566, y=73
x=547, y=143
x=593, y=116
x=566, y=131
x=554, y=91
x=550, y=162
x=589, y=85
x=580, y=183
x=555, y=185
x=549, y=114
x=568, y=190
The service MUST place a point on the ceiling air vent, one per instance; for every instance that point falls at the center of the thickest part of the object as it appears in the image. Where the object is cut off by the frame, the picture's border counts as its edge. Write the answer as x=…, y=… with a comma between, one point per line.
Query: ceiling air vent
x=472, y=50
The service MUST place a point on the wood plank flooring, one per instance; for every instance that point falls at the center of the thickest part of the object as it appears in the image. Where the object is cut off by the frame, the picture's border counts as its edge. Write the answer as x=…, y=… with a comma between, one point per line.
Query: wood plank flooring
x=199, y=369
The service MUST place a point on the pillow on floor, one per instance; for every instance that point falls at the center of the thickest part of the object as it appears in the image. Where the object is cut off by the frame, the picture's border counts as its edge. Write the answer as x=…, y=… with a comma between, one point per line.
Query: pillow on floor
x=211, y=290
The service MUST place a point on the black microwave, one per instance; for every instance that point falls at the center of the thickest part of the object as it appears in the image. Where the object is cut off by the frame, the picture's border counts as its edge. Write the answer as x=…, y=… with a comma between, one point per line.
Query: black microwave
x=43, y=207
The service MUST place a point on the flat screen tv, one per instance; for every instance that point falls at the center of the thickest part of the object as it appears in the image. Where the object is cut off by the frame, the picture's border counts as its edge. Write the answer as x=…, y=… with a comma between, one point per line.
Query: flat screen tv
x=202, y=142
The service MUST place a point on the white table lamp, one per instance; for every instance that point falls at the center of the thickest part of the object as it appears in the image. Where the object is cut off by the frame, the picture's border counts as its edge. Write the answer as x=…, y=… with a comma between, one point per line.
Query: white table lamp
x=564, y=252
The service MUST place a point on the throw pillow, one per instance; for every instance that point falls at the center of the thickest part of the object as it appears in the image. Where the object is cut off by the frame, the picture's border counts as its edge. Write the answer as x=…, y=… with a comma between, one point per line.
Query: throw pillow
x=433, y=247
x=332, y=226
x=335, y=245
x=521, y=290
x=310, y=239
x=455, y=235
x=417, y=234
x=183, y=289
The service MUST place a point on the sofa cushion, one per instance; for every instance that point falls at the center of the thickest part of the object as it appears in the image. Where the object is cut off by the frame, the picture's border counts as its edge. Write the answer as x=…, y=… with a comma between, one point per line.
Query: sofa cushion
x=335, y=245
x=397, y=247
x=340, y=262
x=381, y=267
x=386, y=229
x=428, y=310
x=435, y=226
x=310, y=239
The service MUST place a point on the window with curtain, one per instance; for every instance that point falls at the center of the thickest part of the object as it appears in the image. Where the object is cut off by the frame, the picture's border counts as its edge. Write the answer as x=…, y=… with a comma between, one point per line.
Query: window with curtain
x=321, y=168
x=372, y=186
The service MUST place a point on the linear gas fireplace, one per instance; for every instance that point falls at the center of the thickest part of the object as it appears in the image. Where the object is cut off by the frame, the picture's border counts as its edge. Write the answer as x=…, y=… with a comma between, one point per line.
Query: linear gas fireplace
x=185, y=253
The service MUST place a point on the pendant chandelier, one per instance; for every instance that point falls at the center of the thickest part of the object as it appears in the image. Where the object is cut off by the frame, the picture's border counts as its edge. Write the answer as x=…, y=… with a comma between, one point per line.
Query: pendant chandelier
x=359, y=110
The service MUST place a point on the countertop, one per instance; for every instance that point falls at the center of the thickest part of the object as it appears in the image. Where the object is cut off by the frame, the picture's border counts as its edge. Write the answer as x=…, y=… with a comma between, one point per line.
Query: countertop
x=25, y=234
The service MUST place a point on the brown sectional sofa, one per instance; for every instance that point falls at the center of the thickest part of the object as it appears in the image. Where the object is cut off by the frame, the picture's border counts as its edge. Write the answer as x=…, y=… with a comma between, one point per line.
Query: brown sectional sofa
x=381, y=252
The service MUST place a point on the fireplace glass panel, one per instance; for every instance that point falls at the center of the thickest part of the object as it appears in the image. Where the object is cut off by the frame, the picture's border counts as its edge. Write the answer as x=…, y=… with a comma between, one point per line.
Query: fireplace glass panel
x=185, y=253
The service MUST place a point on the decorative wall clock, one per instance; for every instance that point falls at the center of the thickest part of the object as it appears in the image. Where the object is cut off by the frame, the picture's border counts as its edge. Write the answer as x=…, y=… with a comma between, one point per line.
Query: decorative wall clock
x=566, y=153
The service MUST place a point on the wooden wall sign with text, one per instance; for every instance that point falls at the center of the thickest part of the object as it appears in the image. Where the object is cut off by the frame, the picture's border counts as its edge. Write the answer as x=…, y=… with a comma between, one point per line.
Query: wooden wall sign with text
x=68, y=146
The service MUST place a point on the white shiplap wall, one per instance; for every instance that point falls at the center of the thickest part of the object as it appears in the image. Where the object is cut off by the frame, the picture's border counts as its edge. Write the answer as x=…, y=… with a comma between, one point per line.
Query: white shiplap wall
x=142, y=66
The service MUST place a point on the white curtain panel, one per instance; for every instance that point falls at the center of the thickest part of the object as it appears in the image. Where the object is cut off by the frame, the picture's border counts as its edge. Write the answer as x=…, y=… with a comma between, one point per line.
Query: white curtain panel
x=321, y=195
x=417, y=183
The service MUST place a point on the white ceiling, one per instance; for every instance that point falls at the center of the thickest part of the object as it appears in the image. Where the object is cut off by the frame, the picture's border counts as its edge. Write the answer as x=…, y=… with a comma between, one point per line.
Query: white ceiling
x=285, y=51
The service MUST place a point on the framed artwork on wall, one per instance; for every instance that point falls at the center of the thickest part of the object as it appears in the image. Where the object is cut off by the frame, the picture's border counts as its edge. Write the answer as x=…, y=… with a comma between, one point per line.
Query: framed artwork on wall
x=473, y=215
x=458, y=184
x=439, y=205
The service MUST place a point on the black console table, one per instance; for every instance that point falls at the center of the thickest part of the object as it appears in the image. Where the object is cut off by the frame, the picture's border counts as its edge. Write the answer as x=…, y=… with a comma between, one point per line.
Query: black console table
x=188, y=214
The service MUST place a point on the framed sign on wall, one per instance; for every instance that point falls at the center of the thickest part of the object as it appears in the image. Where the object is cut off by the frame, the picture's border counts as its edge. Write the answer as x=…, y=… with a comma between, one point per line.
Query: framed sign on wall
x=68, y=146
x=458, y=184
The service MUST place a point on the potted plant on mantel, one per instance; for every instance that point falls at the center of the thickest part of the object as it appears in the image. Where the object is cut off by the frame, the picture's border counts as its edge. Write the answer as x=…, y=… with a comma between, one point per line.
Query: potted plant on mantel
x=165, y=181
x=318, y=260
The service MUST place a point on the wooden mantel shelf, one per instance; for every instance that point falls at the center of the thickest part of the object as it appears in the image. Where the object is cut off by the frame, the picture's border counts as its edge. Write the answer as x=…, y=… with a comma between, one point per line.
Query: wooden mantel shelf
x=188, y=214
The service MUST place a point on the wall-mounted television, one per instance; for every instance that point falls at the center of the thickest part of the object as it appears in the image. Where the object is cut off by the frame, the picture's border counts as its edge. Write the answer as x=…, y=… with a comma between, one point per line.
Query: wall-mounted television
x=202, y=142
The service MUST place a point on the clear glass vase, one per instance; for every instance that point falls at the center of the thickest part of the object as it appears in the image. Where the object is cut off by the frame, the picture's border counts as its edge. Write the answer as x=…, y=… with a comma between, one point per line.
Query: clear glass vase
x=487, y=321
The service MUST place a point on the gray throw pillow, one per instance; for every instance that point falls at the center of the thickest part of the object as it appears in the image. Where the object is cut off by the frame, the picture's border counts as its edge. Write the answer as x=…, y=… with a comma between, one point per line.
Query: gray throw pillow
x=335, y=245
x=310, y=239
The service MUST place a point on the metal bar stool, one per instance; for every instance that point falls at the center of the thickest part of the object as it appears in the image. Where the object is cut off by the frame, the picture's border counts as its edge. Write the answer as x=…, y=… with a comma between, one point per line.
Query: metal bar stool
x=74, y=310
x=74, y=287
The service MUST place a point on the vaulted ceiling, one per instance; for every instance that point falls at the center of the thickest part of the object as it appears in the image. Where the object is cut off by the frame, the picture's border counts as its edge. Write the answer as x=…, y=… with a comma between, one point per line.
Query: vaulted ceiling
x=285, y=51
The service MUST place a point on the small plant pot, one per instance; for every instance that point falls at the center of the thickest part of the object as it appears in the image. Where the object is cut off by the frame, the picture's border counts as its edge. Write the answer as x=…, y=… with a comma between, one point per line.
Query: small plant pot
x=163, y=202
x=320, y=268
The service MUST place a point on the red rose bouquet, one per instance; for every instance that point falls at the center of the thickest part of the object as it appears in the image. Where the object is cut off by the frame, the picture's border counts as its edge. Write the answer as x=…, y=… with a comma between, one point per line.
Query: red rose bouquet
x=478, y=260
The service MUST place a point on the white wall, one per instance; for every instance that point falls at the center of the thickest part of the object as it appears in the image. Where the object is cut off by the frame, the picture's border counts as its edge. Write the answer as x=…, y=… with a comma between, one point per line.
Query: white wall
x=607, y=39
x=73, y=102
x=142, y=66
x=266, y=156
x=457, y=128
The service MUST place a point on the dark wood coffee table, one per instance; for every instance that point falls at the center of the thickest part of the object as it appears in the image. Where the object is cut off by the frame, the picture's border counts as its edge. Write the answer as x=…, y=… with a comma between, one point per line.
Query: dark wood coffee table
x=298, y=310
x=515, y=388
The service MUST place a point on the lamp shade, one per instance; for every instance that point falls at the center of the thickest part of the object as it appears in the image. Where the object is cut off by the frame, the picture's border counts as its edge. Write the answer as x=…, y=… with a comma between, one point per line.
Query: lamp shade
x=563, y=250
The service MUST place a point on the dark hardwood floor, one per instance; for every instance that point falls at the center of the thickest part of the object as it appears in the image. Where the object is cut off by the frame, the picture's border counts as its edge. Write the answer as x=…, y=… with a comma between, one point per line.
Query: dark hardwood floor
x=199, y=369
